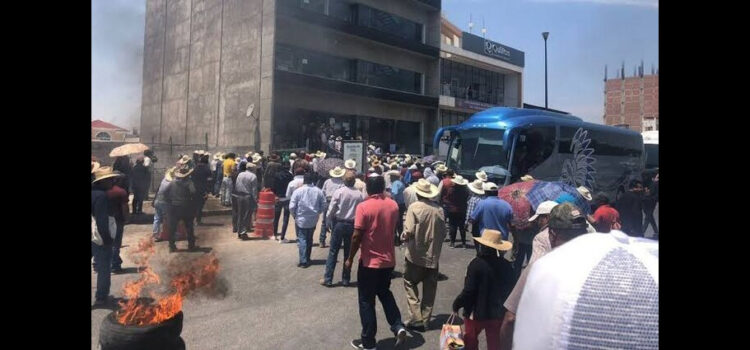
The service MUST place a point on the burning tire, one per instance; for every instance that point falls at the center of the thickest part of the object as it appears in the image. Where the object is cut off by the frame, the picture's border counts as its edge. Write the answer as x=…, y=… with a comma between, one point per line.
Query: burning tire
x=164, y=335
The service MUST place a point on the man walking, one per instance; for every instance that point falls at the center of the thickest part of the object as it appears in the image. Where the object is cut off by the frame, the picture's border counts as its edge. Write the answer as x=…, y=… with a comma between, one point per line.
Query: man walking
x=101, y=246
x=630, y=207
x=341, y=212
x=424, y=232
x=118, y=208
x=305, y=204
x=201, y=180
x=397, y=194
x=226, y=184
x=246, y=192
x=492, y=212
x=374, y=223
x=329, y=187
x=160, y=207
x=180, y=198
x=650, y=199
x=477, y=194
x=281, y=181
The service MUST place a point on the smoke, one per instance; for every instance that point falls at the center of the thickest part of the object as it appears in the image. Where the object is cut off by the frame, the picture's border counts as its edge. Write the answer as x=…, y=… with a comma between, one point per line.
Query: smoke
x=117, y=28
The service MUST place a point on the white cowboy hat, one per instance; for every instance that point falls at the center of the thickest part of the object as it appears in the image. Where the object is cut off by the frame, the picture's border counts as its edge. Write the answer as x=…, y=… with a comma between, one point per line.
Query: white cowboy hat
x=489, y=186
x=293, y=155
x=585, y=192
x=425, y=189
x=256, y=158
x=481, y=175
x=493, y=239
x=459, y=180
x=543, y=209
x=104, y=172
x=476, y=187
x=350, y=164
x=184, y=170
x=95, y=166
x=527, y=178
x=337, y=172
x=250, y=165
x=320, y=154
x=441, y=168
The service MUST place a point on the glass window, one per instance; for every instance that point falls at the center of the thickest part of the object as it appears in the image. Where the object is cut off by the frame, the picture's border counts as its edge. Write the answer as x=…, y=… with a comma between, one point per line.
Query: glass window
x=388, y=23
x=477, y=148
x=471, y=83
x=652, y=155
x=374, y=74
x=534, y=146
x=103, y=136
x=604, y=143
x=340, y=9
x=299, y=60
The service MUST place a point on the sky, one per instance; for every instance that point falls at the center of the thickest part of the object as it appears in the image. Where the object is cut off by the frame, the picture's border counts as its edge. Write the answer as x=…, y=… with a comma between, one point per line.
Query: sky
x=585, y=35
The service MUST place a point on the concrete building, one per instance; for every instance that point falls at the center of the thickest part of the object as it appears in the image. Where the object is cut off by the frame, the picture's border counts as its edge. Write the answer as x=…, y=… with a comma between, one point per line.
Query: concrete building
x=632, y=102
x=103, y=131
x=476, y=74
x=268, y=74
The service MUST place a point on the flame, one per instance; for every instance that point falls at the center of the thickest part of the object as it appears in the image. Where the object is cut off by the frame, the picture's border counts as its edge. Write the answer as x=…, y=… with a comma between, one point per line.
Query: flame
x=201, y=272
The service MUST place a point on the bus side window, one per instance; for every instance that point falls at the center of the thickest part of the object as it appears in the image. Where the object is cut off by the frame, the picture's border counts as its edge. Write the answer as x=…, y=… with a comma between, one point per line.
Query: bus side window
x=535, y=145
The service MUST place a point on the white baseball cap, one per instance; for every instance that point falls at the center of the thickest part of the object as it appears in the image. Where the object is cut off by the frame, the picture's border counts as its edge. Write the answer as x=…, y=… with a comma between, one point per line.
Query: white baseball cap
x=543, y=208
x=600, y=290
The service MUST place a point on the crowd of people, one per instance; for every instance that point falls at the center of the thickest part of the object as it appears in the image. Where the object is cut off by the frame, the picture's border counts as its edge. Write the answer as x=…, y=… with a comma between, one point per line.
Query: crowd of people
x=397, y=201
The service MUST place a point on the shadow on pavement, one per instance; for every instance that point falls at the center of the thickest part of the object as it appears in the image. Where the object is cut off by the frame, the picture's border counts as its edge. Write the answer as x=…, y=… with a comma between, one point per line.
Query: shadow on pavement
x=414, y=340
x=210, y=224
x=317, y=262
x=127, y=270
x=442, y=277
x=198, y=250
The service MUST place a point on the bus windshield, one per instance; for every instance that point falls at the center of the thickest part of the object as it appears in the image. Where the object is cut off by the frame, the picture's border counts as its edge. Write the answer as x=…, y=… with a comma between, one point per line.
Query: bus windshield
x=478, y=149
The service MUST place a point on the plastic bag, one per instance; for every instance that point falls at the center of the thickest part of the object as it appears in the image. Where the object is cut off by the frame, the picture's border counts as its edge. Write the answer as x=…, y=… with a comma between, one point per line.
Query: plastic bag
x=451, y=337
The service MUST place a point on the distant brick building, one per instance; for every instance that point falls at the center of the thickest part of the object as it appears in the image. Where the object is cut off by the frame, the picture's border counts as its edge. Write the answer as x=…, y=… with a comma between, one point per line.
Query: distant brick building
x=632, y=102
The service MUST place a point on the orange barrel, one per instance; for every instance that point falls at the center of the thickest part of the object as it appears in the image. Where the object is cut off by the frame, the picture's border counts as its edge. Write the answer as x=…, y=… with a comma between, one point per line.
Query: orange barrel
x=264, y=215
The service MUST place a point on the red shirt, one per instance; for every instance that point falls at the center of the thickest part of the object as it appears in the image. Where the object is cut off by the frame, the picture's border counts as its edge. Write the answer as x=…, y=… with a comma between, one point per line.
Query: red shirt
x=376, y=218
x=116, y=197
x=604, y=217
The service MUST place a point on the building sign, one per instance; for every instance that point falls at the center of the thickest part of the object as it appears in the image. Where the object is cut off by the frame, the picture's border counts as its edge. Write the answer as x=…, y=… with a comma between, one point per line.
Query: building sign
x=355, y=149
x=489, y=48
x=475, y=105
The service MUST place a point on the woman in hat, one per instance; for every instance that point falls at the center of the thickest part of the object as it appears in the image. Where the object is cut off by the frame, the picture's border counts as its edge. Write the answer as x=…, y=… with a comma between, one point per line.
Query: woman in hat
x=488, y=282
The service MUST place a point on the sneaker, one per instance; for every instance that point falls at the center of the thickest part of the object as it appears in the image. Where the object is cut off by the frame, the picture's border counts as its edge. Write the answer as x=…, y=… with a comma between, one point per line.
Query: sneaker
x=400, y=337
x=304, y=266
x=357, y=344
x=325, y=284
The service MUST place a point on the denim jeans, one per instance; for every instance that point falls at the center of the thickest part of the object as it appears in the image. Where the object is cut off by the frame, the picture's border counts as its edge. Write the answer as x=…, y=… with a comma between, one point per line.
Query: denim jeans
x=226, y=191
x=304, y=243
x=116, y=260
x=342, y=232
x=371, y=283
x=103, y=262
x=281, y=205
x=160, y=210
x=324, y=226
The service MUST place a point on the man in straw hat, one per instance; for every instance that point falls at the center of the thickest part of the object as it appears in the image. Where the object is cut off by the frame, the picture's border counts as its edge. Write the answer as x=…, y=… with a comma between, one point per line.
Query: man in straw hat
x=351, y=164
x=101, y=245
x=455, y=199
x=160, y=207
x=246, y=192
x=374, y=223
x=329, y=188
x=305, y=204
x=341, y=212
x=202, y=180
x=566, y=222
x=424, y=232
x=488, y=281
x=481, y=175
x=492, y=212
x=476, y=189
x=117, y=199
x=180, y=198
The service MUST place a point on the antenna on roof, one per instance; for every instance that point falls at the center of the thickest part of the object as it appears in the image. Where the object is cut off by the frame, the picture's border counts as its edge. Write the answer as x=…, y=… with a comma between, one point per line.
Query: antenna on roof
x=484, y=29
x=605, y=72
x=471, y=23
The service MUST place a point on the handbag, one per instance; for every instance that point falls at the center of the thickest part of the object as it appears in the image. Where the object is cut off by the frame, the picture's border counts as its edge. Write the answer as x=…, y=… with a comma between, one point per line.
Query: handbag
x=451, y=337
x=96, y=237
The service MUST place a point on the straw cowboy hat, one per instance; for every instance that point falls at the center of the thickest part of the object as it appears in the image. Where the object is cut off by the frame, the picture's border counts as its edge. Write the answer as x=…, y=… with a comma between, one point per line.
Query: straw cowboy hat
x=459, y=180
x=527, y=178
x=425, y=189
x=585, y=192
x=256, y=158
x=481, y=175
x=350, y=164
x=489, y=186
x=104, y=172
x=494, y=240
x=183, y=170
x=441, y=168
x=218, y=156
x=320, y=154
x=476, y=187
x=169, y=174
x=337, y=172
x=95, y=166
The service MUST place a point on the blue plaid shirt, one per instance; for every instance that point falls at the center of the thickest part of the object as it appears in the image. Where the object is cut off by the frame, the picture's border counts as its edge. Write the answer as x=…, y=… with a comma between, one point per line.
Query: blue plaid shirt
x=473, y=200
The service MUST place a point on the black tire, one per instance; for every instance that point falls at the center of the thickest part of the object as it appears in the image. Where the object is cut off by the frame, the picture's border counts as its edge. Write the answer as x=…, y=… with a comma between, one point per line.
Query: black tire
x=115, y=336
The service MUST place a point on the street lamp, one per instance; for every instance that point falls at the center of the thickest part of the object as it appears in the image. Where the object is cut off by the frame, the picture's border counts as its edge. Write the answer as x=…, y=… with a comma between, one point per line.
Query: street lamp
x=545, y=35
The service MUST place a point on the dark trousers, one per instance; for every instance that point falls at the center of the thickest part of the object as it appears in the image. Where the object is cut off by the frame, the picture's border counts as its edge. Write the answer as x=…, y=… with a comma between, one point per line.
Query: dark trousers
x=137, y=202
x=102, y=264
x=186, y=214
x=523, y=252
x=456, y=222
x=371, y=283
x=400, y=223
x=649, y=219
x=199, y=203
x=342, y=233
x=245, y=205
x=116, y=260
x=475, y=233
x=235, y=213
x=280, y=205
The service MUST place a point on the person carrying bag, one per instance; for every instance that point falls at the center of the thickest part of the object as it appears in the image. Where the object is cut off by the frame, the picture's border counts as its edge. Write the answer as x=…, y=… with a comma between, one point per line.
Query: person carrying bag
x=451, y=337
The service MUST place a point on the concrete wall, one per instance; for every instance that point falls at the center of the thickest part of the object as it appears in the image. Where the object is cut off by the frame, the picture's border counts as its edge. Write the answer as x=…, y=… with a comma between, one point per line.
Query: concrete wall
x=202, y=70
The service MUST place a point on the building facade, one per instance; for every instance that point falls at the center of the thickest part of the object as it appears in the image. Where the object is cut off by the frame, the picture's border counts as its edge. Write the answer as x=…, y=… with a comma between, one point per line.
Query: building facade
x=106, y=132
x=476, y=74
x=632, y=102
